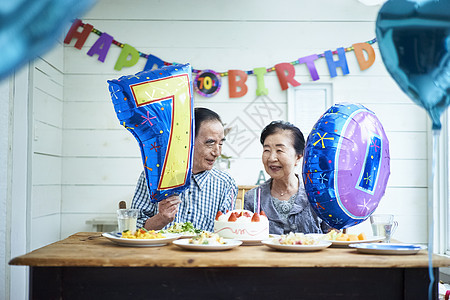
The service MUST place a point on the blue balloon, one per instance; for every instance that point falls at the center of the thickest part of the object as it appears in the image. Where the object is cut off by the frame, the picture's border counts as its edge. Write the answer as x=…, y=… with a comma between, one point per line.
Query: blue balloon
x=346, y=165
x=414, y=41
x=157, y=107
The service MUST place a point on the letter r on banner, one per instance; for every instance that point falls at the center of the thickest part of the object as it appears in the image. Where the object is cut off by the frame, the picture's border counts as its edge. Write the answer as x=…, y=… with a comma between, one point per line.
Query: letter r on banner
x=284, y=78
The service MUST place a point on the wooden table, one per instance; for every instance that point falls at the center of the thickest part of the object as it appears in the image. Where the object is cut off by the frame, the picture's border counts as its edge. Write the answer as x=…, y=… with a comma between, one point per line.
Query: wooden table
x=88, y=266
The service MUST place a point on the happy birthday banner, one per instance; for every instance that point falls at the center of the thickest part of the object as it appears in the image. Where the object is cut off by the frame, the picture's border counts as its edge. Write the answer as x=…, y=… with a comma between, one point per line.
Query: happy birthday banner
x=208, y=82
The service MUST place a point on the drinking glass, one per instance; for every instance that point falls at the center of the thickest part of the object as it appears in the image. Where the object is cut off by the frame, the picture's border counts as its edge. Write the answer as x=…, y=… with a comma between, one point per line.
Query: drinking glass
x=383, y=225
x=127, y=219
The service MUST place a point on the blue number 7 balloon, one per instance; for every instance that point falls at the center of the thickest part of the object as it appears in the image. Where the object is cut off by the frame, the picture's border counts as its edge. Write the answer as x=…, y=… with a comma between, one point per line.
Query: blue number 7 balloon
x=157, y=108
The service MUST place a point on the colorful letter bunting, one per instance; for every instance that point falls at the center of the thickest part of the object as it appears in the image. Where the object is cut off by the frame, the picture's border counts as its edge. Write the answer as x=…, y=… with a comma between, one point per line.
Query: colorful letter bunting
x=237, y=87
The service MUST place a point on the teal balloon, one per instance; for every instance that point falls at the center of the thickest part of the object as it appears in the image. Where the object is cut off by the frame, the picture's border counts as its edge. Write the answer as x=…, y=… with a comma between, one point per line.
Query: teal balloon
x=414, y=41
x=30, y=28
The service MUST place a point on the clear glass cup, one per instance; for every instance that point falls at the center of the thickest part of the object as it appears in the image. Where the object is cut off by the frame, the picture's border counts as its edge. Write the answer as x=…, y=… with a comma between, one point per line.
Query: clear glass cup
x=383, y=225
x=127, y=219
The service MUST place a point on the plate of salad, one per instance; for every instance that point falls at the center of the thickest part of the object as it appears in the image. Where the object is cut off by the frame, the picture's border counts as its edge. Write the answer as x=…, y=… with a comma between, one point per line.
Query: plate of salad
x=186, y=229
x=207, y=241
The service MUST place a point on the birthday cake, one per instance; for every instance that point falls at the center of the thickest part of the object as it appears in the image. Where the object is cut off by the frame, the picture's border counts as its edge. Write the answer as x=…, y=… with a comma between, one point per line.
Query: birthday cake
x=242, y=225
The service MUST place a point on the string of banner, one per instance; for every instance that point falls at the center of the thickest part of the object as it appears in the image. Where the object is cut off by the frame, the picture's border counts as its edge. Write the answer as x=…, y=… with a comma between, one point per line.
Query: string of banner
x=208, y=82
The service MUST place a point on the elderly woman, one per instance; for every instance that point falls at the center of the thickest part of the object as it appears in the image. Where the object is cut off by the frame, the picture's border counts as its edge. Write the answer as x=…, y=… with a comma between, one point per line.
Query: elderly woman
x=283, y=197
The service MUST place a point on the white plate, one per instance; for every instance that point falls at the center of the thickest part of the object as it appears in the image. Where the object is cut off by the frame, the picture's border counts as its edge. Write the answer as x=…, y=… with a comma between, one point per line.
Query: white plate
x=250, y=242
x=186, y=235
x=115, y=237
x=388, y=248
x=229, y=244
x=183, y=235
x=321, y=245
x=370, y=239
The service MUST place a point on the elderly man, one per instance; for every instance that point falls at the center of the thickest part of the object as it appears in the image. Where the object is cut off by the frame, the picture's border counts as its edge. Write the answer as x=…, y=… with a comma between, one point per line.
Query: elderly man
x=210, y=189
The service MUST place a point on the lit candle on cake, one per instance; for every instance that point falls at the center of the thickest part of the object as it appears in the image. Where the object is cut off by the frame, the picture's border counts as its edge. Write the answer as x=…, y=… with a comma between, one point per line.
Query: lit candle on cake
x=259, y=200
x=254, y=203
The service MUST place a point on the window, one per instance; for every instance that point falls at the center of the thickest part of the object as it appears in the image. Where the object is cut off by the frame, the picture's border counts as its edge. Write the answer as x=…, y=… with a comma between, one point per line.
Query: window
x=307, y=102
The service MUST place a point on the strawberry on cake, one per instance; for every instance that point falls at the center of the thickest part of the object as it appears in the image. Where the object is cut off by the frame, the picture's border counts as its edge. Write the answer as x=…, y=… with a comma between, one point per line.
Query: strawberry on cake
x=242, y=224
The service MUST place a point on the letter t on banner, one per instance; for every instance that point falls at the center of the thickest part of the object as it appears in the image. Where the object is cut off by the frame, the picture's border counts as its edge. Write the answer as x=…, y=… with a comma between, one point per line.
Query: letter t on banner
x=333, y=65
x=309, y=61
x=233, y=84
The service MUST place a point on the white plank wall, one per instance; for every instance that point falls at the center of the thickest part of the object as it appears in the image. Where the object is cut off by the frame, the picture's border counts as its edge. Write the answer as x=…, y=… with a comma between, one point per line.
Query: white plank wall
x=101, y=160
x=47, y=94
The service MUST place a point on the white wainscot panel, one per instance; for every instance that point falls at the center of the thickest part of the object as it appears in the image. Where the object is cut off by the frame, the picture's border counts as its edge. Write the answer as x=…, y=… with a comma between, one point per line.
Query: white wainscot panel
x=400, y=117
x=409, y=207
x=96, y=199
x=49, y=71
x=411, y=228
x=100, y=143
x=247, y=171
x=45, y=200
x=100, y=115
x=101, y=171
x=355, y=89
x=92, y=87
x=242, y=145
x=55, y=57
x=47, y=108
x=403, y=201
x=49, y=80
x=90, y=115
x=408, y=173
x=72, y=223
x=252, y=116
x=45, y=230
x=368, y=89
x=46, y=169
x=291, y=10
x=407, y=145
x=47, y=139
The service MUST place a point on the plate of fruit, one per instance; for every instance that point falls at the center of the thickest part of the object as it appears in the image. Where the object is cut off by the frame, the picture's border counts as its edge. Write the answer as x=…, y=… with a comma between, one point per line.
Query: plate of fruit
x=340, y=239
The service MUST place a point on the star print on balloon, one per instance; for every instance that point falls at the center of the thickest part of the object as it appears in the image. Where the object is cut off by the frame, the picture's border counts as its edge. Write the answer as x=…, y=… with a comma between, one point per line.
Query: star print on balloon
x=157, y=108
x=346, y=165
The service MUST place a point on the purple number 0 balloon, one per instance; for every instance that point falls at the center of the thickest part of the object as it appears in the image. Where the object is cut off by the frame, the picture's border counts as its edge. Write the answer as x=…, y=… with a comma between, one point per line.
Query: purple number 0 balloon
x=346, y=165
